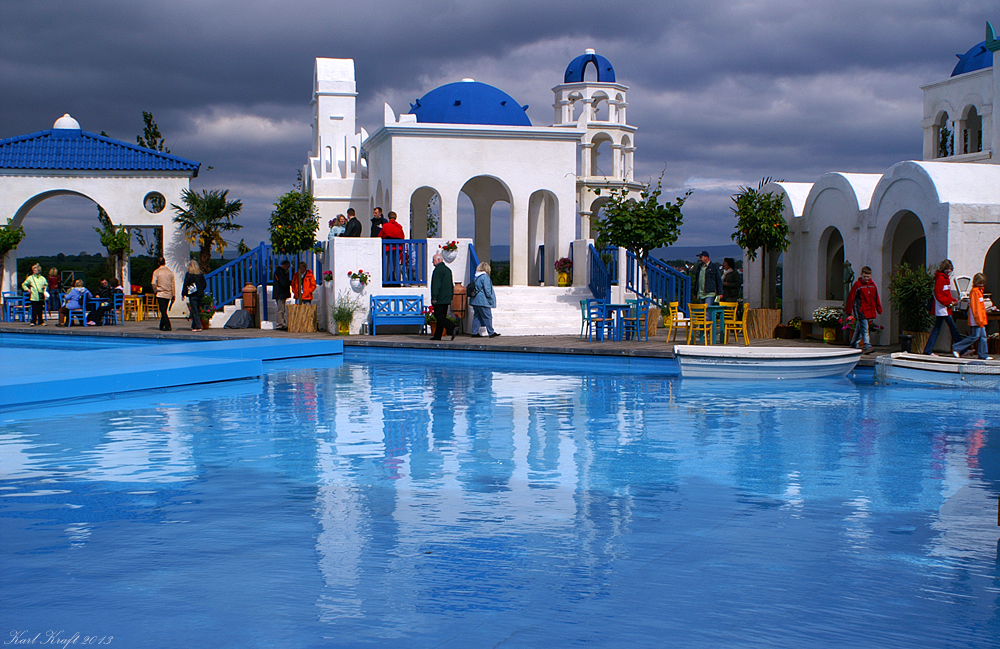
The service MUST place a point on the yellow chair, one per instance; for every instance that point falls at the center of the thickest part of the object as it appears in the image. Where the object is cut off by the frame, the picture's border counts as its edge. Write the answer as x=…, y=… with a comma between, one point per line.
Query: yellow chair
x=132, y=305
x=728, y=316
x=152, y=306
x=738, y=327
x=700, y=322
x=673, y=320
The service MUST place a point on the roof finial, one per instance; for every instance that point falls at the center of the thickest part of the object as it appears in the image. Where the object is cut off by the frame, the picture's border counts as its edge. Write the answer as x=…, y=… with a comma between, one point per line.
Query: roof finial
x=67, y=122
x=992, y=44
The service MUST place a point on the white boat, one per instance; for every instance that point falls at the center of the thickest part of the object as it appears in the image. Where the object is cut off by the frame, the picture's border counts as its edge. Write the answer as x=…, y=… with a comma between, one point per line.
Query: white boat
x=762, y=363
x=903, y=367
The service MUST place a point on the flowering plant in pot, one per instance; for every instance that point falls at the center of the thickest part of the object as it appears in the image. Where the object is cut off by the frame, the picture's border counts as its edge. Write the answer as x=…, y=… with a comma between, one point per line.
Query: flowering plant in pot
x=343, y=311
x=327, y=275
x=359, y=275
x=450, y=246
x=564, y=265
x=830, y=317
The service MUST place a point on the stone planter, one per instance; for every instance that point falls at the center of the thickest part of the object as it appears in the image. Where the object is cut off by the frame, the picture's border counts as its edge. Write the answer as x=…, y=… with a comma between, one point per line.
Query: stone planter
x=449, y=255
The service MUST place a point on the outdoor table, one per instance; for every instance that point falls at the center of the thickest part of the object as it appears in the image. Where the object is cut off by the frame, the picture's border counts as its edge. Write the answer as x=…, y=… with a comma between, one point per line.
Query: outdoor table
x=134, y=303
x=716, y=313
x=14, y=308
x=617, y=312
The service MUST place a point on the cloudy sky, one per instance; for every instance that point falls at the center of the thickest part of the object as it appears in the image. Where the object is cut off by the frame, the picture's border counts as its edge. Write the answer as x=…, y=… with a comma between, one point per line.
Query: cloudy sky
x=722, y=92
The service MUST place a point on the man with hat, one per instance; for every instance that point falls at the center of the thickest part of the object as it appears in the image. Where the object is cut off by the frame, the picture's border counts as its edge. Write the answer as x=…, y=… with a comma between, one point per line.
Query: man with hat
x=707, y=279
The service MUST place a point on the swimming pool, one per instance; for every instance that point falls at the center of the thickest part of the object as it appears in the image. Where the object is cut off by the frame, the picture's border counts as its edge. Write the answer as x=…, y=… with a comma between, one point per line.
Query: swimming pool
x=358, y=502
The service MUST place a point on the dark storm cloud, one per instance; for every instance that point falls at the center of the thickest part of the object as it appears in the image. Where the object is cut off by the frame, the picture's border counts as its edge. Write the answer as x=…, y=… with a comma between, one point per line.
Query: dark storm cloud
x=722, y=92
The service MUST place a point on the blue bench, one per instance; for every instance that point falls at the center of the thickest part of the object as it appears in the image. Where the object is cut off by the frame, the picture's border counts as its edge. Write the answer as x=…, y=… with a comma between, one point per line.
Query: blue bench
x=397, y=310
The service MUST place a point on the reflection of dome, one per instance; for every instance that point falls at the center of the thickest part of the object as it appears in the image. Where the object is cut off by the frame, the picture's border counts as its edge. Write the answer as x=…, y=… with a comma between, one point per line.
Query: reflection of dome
x=577, y=68
x=66, y=122
x=977, y=58
x=469, y=102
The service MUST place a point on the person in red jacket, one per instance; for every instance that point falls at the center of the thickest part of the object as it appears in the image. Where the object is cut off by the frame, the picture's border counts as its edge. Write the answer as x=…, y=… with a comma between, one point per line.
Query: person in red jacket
x=863, y=302
x=977, y=321
x=943, y=299
x=303, y=284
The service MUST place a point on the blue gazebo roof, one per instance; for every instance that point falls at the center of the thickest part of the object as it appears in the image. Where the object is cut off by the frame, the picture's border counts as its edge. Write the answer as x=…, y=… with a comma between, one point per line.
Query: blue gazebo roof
x=977, y=58
x=469, y=102
x=577, y=68
x=74, y=149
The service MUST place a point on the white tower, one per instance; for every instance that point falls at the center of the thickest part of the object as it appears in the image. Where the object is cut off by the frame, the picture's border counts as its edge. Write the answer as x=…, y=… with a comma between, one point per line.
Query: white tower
x=607, y=150
x=336, y=173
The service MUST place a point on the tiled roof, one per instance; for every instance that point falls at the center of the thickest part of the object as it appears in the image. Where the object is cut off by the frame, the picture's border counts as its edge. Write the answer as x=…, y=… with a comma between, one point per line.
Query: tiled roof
x=79, y=150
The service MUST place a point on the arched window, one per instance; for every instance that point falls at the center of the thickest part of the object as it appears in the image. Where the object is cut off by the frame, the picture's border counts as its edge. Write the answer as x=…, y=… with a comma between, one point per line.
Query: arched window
x=600, y=155
x=972, y=131
x=944, y=137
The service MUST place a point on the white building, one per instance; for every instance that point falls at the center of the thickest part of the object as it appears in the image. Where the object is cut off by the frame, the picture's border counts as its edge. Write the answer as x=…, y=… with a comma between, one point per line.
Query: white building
x=946, y=206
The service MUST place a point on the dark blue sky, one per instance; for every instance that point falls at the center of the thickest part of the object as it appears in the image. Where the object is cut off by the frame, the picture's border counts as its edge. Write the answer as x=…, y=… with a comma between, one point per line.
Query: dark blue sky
x=723, y=93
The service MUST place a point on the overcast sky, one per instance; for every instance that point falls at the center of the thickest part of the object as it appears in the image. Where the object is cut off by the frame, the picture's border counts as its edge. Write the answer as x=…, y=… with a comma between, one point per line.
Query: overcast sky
x=722, y=92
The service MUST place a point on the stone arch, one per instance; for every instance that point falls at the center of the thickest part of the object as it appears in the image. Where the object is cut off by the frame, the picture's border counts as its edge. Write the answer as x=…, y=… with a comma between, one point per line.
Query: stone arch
x=628, y=158
x=425, y=202
x=543, y=229
x=970, y=131
x=831, y=259
x=601, y=107
x=905, y=241
x=944, y=135
x=601, y=145
x=991, y=268
x=620, y=109
x=484, y=192
x=576, y=103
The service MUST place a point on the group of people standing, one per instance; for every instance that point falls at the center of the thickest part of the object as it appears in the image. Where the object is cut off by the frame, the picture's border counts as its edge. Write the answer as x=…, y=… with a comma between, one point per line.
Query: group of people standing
x=713, y=283
x=345, y=226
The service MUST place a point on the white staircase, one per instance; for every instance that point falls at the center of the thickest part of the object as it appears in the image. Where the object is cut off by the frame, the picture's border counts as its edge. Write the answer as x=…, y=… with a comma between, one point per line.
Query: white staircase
x=537, y=310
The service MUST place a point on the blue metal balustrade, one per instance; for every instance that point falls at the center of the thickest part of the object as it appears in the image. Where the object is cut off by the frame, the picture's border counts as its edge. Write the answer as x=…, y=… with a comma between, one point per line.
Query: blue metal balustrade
x=473, y=262
x=404, y=262
x=666, y=284
x=600, y=280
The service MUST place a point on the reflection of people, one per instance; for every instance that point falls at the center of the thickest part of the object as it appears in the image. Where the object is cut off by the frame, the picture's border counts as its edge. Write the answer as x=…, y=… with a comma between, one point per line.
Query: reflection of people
x=731, y=281
x=36, y=286
x=442, y=291
x=163, y=286
x=303, y=284
x=483, y=301
x=194, y=291
x=943, y=300
x=281, y=292
x=977, y=320
x=353, y=227
x=863, y=303
x=708, y=279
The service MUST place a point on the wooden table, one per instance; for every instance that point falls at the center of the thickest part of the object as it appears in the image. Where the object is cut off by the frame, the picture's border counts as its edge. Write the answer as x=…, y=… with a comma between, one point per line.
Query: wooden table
x=135, y=304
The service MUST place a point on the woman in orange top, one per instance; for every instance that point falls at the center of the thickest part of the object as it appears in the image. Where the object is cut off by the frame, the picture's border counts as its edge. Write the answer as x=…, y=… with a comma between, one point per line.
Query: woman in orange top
x=303, y=284
x=977, y=320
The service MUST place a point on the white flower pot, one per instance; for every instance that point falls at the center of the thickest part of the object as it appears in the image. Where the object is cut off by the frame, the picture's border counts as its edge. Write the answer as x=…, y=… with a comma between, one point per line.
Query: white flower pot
x=449, y=255
x=357, y=286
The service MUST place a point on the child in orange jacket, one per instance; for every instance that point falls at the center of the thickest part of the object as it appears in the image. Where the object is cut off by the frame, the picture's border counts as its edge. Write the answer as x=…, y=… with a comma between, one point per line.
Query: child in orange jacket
x=977, y=320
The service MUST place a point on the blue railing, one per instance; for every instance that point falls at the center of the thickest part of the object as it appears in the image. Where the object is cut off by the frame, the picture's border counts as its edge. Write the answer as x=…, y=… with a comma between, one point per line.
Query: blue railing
x=665, y=283
x=541, y=264
x=256, y=267
x=610, y=257
x=600, y=280
x=473, y=262
x=404, y=262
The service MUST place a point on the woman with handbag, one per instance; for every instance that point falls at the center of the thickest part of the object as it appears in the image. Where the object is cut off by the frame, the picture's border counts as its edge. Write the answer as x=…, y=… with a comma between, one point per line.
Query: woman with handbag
x=194, y=291
x=37, y=286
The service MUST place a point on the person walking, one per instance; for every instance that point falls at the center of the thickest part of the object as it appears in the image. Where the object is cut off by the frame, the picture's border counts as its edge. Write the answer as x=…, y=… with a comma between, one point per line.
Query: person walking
x=165, y=289
x=943, y=299
x=442, y=292
x=36, y=286
x=281, y=291
x=707, y=279
x=864, y=304
x=977, y=320
x=194, y=291
x=483, y=300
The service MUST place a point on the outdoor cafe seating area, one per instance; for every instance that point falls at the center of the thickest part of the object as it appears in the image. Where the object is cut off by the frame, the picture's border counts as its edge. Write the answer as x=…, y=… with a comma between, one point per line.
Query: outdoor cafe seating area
x=714, y=324
x=15, y=307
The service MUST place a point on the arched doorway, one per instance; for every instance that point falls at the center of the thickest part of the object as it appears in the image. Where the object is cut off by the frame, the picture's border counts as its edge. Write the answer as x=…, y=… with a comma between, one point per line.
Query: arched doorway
x=543, y=230
x=425, y=213
x=485, y=192
x=904, y=243
x=833, y=265
x=991, y=268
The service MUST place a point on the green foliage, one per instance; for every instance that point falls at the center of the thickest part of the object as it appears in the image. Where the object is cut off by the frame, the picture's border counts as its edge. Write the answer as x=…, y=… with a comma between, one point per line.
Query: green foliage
x=151, y=137
x=345, y=307
x=10, y=238
x=946, y=144
x=911, y=291
x=203, y=220
x=294, y=222
x=500, y=273
x=206, y=309
x=116, y=240
x=639, y=226
x=760, y=224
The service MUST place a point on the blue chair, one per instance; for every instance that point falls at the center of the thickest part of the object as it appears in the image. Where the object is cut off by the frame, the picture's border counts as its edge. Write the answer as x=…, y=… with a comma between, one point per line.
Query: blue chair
x=634, y=324
x=80, y=313
x=584, y=318
x=115, y=315
x=598, y=321
x=15, y=307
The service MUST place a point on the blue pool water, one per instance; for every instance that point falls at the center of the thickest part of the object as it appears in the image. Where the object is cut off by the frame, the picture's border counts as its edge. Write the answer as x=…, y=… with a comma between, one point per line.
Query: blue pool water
x=364, y=502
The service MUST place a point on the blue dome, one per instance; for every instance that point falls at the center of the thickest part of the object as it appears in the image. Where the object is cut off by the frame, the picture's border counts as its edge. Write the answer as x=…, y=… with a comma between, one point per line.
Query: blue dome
x=469, y=102
x=978, y=58
x=577, y=68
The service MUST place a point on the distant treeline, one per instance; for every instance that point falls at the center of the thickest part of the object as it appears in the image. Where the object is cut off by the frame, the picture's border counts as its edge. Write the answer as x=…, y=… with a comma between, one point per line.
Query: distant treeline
x=93, y=268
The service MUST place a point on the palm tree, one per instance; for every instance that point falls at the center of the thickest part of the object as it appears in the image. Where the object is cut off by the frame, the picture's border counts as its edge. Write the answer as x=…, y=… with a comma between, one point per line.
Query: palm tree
x=204, y=220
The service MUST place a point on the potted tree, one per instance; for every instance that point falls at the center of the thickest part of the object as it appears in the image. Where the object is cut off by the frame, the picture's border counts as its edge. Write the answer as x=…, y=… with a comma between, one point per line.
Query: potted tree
x=293, y=226
x=761, y=227
x=343, y=312
x=640, y=226
x=910, y=292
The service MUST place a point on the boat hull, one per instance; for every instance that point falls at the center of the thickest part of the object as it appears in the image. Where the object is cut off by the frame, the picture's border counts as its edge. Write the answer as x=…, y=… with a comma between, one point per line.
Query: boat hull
x=764, y=363
x=932, y=370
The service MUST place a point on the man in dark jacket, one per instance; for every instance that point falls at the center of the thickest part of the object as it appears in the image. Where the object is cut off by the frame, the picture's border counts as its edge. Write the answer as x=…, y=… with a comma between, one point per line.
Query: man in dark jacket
x=442, y=291
x=281, y=291
x=353, y=228
x=707, y=279
x=377, y=221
